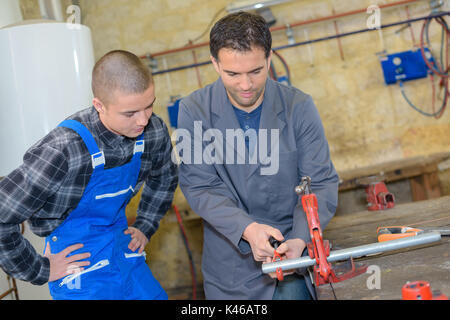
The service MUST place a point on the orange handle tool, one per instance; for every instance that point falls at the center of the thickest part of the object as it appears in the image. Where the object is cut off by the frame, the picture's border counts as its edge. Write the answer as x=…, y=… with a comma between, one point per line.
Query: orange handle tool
x=396, y=232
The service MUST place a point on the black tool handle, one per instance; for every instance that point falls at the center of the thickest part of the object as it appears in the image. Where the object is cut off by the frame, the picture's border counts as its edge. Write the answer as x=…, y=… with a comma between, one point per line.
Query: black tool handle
x=274, y=242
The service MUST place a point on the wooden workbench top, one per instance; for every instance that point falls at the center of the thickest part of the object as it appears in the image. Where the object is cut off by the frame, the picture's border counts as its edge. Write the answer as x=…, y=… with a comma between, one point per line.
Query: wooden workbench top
x=392, y=170
x=428, y=262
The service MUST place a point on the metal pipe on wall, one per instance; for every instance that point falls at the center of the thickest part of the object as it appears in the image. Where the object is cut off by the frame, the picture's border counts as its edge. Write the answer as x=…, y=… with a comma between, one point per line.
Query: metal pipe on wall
x=314, y=40
x=295, y=24
x=10, y=12
x=51, y=10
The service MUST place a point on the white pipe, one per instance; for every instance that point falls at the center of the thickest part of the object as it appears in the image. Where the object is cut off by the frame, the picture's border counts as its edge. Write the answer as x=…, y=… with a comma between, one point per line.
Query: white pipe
x=9, y=12
x=51, y=10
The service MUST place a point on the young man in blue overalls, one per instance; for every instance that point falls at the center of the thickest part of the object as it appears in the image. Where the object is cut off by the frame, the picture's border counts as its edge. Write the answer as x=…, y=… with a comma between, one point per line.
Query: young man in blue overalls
x=84, y=174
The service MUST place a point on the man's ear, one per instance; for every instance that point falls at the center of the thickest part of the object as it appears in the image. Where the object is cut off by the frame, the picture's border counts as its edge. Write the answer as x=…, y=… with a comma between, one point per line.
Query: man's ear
x=98, y=105
x=215, y=64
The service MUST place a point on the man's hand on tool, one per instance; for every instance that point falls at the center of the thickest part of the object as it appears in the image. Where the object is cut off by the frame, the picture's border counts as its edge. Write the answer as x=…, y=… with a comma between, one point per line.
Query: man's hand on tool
x=61, y=265
x=290, y=249
x=138, y=239
x=257, y=235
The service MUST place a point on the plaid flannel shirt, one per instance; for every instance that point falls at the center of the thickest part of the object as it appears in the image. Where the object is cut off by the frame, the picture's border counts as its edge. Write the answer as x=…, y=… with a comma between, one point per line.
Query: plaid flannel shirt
x=50, y=183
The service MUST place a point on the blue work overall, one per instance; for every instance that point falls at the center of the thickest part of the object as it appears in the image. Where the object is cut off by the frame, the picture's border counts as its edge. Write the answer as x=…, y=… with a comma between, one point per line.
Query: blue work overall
x=99, y=222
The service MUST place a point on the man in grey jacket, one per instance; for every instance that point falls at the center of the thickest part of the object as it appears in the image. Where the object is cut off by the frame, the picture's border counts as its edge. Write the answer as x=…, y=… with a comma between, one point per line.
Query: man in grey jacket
x=244, y=142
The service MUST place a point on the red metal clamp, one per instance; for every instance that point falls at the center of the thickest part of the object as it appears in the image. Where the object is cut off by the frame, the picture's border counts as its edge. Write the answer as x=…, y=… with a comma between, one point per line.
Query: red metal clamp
x=378, y=197
x=318, y=248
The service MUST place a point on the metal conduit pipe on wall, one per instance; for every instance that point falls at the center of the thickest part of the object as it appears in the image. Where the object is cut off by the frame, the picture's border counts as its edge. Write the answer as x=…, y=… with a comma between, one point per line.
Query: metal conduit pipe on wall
x=51, y=10
x=314, y=40
x=10, y=12
x=295, y=24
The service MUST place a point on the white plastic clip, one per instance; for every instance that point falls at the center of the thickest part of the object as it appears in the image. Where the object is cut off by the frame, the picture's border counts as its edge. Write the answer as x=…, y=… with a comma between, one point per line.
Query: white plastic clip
x=98, y=159
x=139, y=146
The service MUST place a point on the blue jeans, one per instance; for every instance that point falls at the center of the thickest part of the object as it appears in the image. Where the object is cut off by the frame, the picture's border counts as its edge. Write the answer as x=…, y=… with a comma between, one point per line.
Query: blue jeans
x=293, y=287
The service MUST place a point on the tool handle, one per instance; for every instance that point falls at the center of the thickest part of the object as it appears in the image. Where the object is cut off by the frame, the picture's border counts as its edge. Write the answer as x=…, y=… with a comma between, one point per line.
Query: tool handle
x=396, y=232
x=274, y=242
x=310, y=206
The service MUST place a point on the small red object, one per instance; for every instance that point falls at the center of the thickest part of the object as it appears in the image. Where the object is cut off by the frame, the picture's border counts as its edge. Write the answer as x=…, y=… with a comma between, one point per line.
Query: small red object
x=278, y=271
x=420, y=290
x=378, y=197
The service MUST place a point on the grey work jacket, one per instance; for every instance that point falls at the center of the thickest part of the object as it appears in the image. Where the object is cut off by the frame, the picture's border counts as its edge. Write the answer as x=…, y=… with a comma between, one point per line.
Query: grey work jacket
x=229, y=195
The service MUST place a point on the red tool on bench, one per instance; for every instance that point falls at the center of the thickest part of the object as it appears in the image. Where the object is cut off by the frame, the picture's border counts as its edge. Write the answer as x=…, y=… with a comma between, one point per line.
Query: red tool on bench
x=318, y=248
x=378, y=197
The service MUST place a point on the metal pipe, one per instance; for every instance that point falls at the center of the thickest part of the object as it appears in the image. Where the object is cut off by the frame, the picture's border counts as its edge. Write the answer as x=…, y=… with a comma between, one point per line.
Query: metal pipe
x=10, y=12
x=252, y=5
x=314, y=40
x=182, y=67
x=51, y=9
x=343, y=14
x=363, y=30
x=283, y=27
x=355, y=252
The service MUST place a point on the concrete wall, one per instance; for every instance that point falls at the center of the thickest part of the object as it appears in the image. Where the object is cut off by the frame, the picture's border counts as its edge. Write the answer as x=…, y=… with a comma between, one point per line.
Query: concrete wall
x=366, y=122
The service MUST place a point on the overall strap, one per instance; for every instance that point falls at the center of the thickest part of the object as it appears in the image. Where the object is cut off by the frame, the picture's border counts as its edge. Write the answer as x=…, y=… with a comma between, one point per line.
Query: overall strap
x=97, y=156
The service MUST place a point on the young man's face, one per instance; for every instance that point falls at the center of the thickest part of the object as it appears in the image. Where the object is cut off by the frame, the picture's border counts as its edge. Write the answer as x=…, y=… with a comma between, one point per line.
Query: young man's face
x=244, y=75
x=127, y=114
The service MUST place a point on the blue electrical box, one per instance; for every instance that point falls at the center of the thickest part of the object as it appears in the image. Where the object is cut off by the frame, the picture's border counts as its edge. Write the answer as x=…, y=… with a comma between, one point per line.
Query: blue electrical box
x=284, y=80
x=173, y=113
x=405, y=66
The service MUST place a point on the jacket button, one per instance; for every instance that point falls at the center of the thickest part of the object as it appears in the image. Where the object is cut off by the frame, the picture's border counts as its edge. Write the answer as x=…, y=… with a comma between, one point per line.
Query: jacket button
x=54, y=238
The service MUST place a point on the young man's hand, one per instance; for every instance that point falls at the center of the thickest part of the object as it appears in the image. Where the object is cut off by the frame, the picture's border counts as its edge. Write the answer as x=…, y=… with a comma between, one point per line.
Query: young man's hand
x=138, y=239
x=61, y=265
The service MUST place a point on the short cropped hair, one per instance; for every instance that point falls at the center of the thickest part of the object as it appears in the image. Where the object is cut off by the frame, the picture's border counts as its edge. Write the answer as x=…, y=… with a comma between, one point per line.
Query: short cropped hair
x=122, y=71
x=240, y=31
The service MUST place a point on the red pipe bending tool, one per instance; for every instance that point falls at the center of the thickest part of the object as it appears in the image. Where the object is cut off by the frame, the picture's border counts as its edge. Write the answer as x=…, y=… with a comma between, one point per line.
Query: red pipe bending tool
x=318, y=248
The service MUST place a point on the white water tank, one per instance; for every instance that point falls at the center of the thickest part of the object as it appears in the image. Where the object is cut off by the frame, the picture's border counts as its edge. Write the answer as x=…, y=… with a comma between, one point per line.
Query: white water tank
x=45, y=76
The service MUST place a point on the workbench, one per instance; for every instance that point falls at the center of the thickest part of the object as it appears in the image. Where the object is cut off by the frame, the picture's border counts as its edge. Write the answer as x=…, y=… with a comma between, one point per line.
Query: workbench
x=421, y=171
x=430, y=262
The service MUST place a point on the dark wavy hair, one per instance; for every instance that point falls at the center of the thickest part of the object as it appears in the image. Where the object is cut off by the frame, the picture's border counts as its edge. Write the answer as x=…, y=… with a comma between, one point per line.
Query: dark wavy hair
x=240, y=31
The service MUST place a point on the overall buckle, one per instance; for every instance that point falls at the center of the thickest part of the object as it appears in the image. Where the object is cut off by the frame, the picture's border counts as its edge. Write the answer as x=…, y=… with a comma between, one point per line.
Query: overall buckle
x=98, y=159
